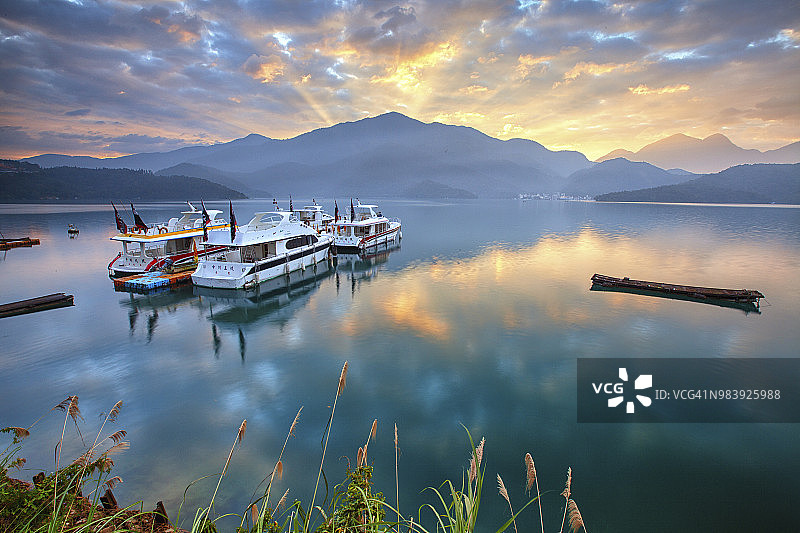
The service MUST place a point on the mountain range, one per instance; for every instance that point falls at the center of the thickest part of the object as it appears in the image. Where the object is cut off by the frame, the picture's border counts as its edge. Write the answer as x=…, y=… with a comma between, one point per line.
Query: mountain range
x=750, y=184
x=390, y=154
x=394, y=155
x=704, y=156
x=22, y=182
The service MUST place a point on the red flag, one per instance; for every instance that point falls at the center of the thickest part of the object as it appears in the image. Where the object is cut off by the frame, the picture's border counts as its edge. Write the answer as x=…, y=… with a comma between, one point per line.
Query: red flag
x=137, y=220
x=335, y=211
x=121, y=226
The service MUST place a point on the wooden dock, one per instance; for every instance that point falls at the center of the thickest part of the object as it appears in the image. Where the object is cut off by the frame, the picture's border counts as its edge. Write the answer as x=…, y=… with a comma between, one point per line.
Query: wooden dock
x=7, y=244
x=32, y=305
x=152, y=280
x=687, y=291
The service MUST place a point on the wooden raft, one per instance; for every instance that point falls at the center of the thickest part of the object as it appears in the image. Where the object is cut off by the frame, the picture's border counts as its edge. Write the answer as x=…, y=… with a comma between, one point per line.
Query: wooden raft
x=732, y=295
x=7, y=244
x=32, y=305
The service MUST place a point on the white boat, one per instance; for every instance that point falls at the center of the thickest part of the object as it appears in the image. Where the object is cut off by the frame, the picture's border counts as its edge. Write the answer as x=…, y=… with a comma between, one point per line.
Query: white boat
x=175, y=244
x=272, y=244
x=365, y=228
x=315, y=217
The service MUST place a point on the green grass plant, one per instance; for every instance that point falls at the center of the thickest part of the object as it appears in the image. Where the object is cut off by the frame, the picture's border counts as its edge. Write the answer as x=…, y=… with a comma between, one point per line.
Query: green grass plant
x=56, y=502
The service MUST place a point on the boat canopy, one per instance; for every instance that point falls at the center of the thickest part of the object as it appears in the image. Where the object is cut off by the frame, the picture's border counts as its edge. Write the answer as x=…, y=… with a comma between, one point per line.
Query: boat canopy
x=263, y=227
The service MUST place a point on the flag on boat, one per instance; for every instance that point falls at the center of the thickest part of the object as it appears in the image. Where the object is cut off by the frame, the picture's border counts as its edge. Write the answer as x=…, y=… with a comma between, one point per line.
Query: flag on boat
x=138, y=222
x=352, y=211
x=290, y=203
x=335, y=211
x=206, y=220
x=233, y=222
x=121, y=226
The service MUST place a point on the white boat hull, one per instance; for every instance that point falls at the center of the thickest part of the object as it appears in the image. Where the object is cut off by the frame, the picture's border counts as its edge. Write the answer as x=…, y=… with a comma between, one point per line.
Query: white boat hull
x=129, y=264
x=389, y=237
x=234, y=275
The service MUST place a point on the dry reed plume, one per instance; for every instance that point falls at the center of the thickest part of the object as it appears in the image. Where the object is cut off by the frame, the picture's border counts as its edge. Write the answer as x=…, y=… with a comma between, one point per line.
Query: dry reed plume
x=566, y=493
x=530, y=475
x=501, y=488
x=575, y=518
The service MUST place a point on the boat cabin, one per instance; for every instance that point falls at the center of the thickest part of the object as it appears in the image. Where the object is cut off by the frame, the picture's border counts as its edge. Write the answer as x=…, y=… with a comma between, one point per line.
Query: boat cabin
x=265, y=236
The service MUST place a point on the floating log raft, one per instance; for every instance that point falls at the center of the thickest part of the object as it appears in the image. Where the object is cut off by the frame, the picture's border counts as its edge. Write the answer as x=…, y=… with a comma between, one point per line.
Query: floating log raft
x=7, y=244
x=152, y=280
x=51, y=301
x=699, y=293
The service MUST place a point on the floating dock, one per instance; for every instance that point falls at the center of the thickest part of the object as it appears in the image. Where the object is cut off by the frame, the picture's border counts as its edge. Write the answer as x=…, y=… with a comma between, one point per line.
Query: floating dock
x=739, y=296
x=7, y=244
x=32, y=305
x=152, y=280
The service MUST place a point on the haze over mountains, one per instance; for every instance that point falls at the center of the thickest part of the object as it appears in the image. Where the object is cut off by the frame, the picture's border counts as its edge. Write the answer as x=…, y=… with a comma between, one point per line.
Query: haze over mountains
x=704, y=156
x=743, y=184
x=394, y=155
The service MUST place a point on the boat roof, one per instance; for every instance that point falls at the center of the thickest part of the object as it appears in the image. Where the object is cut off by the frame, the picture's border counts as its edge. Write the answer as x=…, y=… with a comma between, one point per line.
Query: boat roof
x=211, y=212
x=158, y=237
x=265, y=226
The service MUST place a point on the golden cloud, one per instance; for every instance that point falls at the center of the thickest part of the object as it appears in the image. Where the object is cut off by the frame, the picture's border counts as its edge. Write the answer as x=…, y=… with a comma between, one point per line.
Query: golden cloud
x=527, y=63
x=264, y=68
x=642, y=89
x=461, y=117
x=595, y=69
x=407, y=75
x=185, y=36
x=473, y=89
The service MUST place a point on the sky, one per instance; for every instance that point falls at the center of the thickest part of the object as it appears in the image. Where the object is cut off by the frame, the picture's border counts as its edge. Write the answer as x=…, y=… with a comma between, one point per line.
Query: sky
x=114, y=77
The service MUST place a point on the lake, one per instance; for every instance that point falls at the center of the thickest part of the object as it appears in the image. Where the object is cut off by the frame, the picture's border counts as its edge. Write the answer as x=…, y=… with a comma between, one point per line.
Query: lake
x=478, y=319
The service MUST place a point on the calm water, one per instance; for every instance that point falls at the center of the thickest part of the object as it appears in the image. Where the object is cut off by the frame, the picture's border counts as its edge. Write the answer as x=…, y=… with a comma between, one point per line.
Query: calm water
x=477, y=319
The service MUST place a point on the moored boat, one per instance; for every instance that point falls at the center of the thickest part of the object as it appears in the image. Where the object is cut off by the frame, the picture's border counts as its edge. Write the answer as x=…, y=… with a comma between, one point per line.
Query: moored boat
x=272, y=244
x=315, y=217
x=176, y=244
x=365, y=228
x=689, y=291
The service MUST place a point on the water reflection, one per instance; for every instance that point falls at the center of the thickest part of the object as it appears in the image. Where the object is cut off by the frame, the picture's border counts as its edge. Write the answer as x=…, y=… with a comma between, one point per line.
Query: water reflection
x=363, y=266
x=477, y=324
x=150, y=304
x=746, y=307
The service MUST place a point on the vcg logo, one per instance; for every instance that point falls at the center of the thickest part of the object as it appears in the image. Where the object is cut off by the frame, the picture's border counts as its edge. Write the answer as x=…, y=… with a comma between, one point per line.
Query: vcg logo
x=644, y=381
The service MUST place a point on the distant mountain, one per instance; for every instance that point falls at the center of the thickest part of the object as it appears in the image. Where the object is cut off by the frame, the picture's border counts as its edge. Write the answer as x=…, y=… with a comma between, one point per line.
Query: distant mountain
x=432, y=189
x=762, y=183
x=212, y=174
x=147, y=161
x=618, y=175
x=84, y=185
x=712, y=154
x=378, y=156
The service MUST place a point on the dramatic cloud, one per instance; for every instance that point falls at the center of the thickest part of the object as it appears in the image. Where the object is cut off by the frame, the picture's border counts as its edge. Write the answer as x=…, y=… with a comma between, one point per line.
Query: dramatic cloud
x=110, y=77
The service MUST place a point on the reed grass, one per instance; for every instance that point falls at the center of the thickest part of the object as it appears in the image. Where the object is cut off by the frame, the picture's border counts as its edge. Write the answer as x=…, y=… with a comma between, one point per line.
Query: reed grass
x=339, y=389
x=56, y=502
x=354, y=507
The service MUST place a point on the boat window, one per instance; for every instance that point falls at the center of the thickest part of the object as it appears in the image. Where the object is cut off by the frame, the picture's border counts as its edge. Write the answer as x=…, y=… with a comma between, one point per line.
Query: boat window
x=297, y=242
